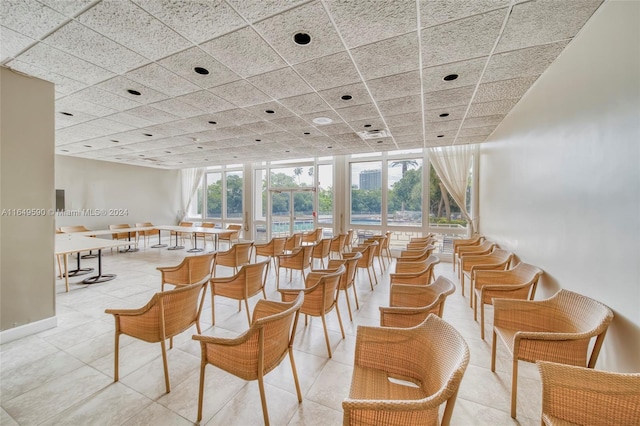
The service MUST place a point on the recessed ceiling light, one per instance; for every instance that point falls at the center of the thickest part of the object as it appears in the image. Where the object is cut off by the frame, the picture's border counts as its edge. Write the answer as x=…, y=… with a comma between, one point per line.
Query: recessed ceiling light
x=115, y=141
x=441, y=136
x=118, y=158
x=200, y=147
x=287, y=151
x=179, y=162
x=367, y=125
x=379, y=141
x=270, y=111
x=64, y=150
x=67, y=113
x=302, y=38
x=122, y=147
x=346, y=97
x=147, y=134
x=322, y=120
x=87, y=146
x=140, y=155
x=134, y=92
x=235, y=156
x=167, y=152
x=444, y=114
x=258, y=140
x=201, y=70
x=212, y=122
x=329, y=147
x=450, y=77
x=307, y=133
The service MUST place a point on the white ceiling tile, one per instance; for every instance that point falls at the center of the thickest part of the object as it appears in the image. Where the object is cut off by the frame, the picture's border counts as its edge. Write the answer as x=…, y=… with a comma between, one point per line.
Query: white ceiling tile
x=236, y=116
x=245, y=52
x=206, y=101
x=468, y=75
x=451, y=125
x=111, y=125
x=305, y=104
x=80, y=132
x=491, y=108
x=158, y=78
x=240, y=93
x=357, y=91
x=401, y=120
x=154, y=115
x=504, y=89
x=292, y=124
x=310, y=19
x=64, y=64
x=395, y=86
x=165, y=129
x=83, y=42
x=281, y=83
x=105, y=98
x=335, y=129
x=262, y=127
x=127, y=24
x=257, y=10
x=183, y=64
x=12, y=43
x=76, y=106
x=329, y=71
x=527, y=62
x=545, y=21
x=330, y=114
x=120, y=85
x=63, y=120
x=488, y=120
x=414, y=129
x=29, y=17
x=131, y=120
x=358, y=112
x=447, y=98
x=460, y=40
x=177, y=107
x=279, y=111
x=232, y=132
x=433, y=12
x=63, y=85
x=367, y=124
x=194, y=124
x=67, y=7
x=476, y=131
x=374, y=21
x=470, y=140
x=455, y=113
x=197, y=20
x=387, y=57
x=401, y=105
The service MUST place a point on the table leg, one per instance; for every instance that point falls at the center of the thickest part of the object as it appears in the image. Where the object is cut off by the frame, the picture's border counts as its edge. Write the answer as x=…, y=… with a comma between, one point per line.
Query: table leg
x=195, y=244
x=159, y=245
x=66, y=268
x=78, y=270
x=176, y=247
x=100, y=277
x=129, y=249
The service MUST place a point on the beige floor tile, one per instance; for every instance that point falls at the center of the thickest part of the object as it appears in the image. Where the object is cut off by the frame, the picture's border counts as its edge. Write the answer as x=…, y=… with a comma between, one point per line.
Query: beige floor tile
x=6, y=419
x=310, y=413
x=157, y=415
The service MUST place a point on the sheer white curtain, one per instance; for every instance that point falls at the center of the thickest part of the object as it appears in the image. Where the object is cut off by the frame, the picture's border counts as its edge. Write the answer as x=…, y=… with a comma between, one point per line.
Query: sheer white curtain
x=190, y=181
x=452, y=164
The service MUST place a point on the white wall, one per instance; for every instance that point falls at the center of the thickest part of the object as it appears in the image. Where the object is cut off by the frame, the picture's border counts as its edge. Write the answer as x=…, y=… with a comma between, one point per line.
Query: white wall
x=560, y=177
x=145, y=194
x=26, y=182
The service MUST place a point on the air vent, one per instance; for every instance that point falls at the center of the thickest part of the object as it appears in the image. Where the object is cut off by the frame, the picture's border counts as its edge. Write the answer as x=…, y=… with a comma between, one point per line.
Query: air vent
x=374, y=134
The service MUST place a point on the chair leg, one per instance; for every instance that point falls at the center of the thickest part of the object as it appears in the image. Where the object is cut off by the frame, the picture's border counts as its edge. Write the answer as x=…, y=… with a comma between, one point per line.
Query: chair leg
x=339, y=319
x=203, y=364
x=263, y=399
x=355, y=295
x=171, y=342
x=475, y=305
x=116, y=358
x=346, y=295
x=295, y=375
x=493, y=352
x=213, y=309
x=239, y=305
x=481, y=319
x=514, y=387
x=462, y=282
x=326, y=334
x=246, y=304
x=370, y=279
x=166, y=366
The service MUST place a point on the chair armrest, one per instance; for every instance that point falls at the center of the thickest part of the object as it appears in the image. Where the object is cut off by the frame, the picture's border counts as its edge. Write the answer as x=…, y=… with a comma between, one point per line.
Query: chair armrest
x=214, y=280
x=264, y=308
x=289, y=295
x=223, y=341
x=524, y=315
x=168, y=268
x=133, y=312
x=349, y=255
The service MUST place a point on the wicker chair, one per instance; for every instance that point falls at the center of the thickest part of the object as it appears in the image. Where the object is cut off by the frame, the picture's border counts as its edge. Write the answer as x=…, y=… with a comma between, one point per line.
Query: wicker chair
x=409, y=305
x=321, y=250
x=204, y=236
x=415, y=273
x=349, y=243
x=378, y=250
x=386, y=249
x=320, y=297
x=167, y=314
x=366, y=261
x=312, y=237
x=299, y=259
x=293, y=242
x=248, y=282
x=348, y=278
x=519, y=282
x=272, y=249
x=232, y=236
x=258, y=350
x=469, y=265
x=146, y=234
x=485, y=247
x=237, y=256
x=558, y=329
x=192, y=269
x=578, y=395
x=182, y=235
x=401, y=376
x=78, y=228
x=423, y=238
x=338, y=244
x=464, y=242
x=420, y=245
x=415, y=255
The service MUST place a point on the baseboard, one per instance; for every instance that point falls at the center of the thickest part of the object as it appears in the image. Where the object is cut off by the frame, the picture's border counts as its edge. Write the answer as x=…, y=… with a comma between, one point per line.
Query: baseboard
x=16, y=333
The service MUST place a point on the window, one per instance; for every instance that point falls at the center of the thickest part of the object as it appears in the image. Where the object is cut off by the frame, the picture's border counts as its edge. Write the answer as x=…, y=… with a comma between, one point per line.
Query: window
x=404, y=192
x=366, y=193
x=325, y=194
x=214, y=195
x=234, y=195
x=443, y=211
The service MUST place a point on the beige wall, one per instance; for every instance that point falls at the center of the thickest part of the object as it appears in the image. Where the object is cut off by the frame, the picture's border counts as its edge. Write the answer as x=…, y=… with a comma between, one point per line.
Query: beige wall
x=26, y=182
x=560, y=177
x=145, y=194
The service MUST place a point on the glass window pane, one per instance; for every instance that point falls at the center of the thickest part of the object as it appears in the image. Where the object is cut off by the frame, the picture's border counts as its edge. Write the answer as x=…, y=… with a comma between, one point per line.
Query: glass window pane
x=234, y=195
x=214, y=195
x=195, y=207
x=325, y=194
x=366, y=193
x=444, y=213
x=292, y=177
x=404, y=196
x=260, y=194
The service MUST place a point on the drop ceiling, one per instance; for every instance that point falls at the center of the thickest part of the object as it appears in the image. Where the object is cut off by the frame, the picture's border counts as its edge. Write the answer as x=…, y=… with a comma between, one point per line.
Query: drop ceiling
x=371, y=66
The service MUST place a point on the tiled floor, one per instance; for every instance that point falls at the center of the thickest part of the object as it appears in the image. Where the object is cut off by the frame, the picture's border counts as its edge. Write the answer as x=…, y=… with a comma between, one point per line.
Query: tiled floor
x=64, y=376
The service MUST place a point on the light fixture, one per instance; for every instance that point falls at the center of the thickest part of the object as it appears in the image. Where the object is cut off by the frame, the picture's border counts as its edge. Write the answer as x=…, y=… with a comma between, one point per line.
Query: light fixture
x=147, y=134
x=450, y=77
x=440, y=136
x=367, y=125
x=134, y=92
x=67, y=113
x=115, y=141
x=346, y=97
x=444, y=114
x=202, y=71
x=322, y=120
x=212, y=122
x=270, y=111
x=302, y=38
x=87, y=146
x=307, y=133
